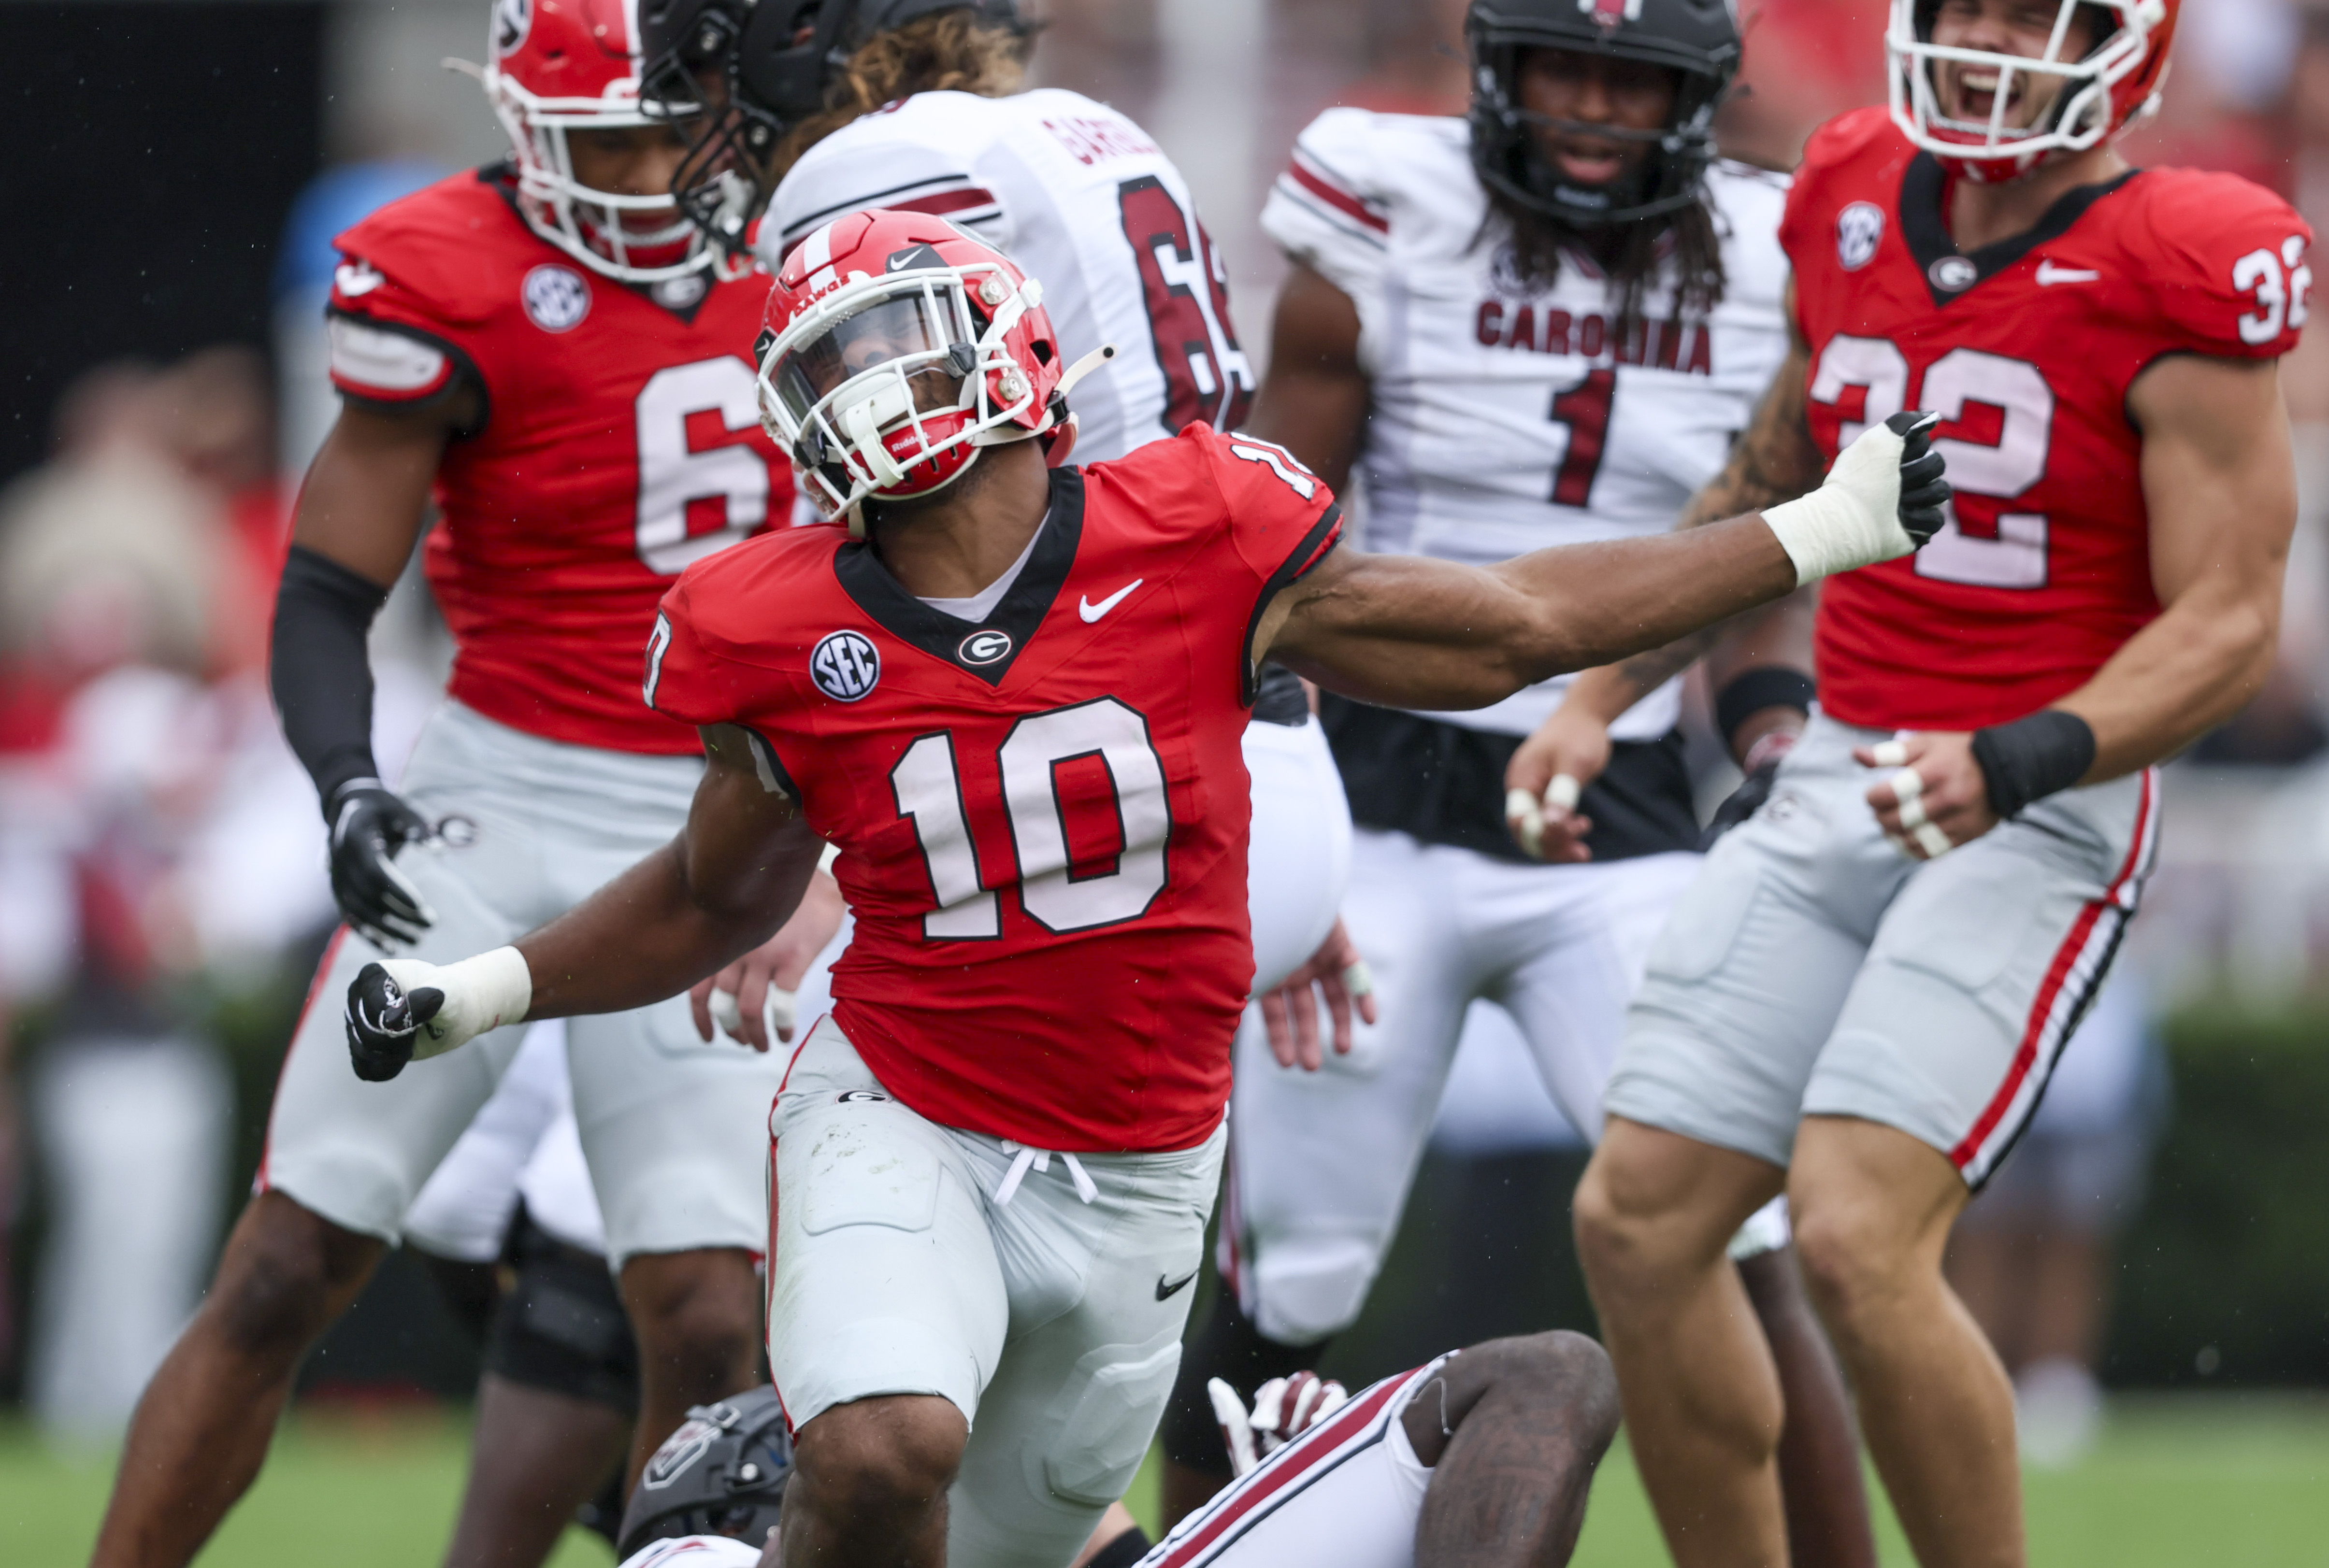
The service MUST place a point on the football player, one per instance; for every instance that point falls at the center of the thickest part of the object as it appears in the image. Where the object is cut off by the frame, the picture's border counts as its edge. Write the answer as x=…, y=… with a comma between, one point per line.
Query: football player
x=1015, y=705
x=1543, y=324
x=1416, y=1471
x=550, y=350
x=1080, y=197
x=1863, y=995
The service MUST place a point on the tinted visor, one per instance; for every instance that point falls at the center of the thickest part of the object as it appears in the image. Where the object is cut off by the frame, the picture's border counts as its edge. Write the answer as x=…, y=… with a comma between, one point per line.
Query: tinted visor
x=903, y=326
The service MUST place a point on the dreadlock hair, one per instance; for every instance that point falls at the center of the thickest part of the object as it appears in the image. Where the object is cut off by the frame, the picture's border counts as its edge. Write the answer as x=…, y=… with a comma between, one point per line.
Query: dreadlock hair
x=1537, y=239
x=953, y=51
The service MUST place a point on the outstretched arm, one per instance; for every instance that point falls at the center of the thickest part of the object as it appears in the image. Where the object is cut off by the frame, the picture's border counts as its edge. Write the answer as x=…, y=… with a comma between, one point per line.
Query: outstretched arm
x=1408, y=633
x=733, y=875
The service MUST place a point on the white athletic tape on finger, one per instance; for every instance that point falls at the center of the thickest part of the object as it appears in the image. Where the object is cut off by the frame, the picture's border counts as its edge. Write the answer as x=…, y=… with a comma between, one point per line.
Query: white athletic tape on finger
x=1912, y=814
x=1932, y=841
x=1359, y=980
x=777, y=1013
x=1527, y=818
x=1563, y=793
x=1906, y=784
x=1889, y=752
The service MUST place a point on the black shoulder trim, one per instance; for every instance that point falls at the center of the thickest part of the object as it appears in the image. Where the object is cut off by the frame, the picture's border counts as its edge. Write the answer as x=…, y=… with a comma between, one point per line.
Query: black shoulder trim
x=464, y=368
x=1929, y=241
x=1305, y=555
x=986, y=648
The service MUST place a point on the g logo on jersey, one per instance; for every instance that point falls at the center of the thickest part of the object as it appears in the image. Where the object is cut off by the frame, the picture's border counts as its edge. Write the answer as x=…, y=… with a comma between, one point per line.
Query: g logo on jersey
x=512, y=20
x=844, y=665
x=1858, y=230
x=556, y=297
x=984, y=647
x=1953, y=274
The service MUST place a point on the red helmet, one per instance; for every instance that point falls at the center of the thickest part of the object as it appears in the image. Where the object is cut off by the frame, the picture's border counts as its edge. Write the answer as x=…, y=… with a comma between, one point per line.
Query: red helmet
x=552, y=66
x=2117, y=83
x=898, y=346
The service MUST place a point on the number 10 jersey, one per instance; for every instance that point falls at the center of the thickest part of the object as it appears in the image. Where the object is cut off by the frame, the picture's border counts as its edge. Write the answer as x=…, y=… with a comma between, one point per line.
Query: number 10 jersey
x=1507, y=418
x=1042, y=814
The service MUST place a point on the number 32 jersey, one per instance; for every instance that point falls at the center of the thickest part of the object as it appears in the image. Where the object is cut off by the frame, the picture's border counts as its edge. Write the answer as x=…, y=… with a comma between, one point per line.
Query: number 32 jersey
x=1041, y=815
x=2027, y=349
x=1507, y=418
x=619, y=439
x=1088, y=206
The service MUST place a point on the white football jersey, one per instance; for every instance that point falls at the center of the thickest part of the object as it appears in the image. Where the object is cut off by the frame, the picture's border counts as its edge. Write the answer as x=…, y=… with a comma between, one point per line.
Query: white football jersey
x=1085, y=202
x=1505, y=419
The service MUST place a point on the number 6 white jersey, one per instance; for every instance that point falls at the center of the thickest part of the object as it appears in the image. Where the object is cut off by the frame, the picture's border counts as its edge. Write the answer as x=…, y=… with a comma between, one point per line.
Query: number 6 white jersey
x=1085, y=202
x=1504, y=419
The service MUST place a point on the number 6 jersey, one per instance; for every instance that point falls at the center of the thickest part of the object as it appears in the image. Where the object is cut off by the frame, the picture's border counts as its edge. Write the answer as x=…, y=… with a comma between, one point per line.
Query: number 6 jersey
x=619, y=439
x=2027, y=349
x=1042, y=813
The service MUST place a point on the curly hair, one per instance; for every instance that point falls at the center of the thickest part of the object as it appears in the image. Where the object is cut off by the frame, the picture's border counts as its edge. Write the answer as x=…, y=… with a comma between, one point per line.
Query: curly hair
x=1537, y=239
x=948, y=52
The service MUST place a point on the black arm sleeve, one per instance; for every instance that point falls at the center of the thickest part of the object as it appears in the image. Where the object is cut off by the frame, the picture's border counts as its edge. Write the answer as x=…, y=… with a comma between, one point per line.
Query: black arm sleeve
x=319, y=668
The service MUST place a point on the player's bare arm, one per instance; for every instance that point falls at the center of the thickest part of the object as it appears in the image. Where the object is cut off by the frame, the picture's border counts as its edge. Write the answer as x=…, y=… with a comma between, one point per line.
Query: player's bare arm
x=1313, y=400
x=2219, y=481
x=358, y=515
x=1774, y=461
x=733, y=877
x=1411, y=633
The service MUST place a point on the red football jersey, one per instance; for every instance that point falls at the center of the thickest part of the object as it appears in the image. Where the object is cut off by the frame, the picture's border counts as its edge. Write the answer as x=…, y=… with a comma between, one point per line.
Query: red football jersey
x=2027, y=349
x=1042, y=816
x=621, y=441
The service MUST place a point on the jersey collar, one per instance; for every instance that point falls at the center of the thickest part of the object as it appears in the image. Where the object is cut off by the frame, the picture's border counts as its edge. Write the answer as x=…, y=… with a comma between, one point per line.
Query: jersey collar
x=1950, y=274
x=973, y=647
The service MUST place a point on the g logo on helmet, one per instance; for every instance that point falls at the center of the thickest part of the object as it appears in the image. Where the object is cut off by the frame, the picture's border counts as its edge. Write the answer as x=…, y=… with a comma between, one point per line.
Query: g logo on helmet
x=1859, y=229
x=512, y=20
x=556, y=297
x=844, y=665
x=984, y=647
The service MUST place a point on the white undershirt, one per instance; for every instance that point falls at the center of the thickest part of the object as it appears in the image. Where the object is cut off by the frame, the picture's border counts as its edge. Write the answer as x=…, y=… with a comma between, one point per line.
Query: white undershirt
x=980, y=604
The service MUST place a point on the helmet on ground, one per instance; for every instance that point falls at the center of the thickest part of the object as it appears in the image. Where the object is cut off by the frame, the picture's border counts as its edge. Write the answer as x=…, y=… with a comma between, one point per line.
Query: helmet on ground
x=896, y=346
x=2114, y=84
x=723, y=1472
x=1698, y=40
x=754, y=68
x=557, y=66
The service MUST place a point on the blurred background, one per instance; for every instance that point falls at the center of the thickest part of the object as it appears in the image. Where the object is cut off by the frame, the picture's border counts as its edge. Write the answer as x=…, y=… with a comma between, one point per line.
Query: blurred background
x=2154, y=1262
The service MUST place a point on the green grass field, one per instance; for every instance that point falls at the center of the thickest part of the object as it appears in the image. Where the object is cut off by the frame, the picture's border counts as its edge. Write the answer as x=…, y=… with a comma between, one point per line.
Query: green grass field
x=2175, y=1481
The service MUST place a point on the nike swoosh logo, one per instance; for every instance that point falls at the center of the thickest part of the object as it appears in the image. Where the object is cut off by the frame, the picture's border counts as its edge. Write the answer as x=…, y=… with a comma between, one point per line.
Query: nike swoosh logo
x=1165, y=1291
x=2050, y=273
x=1091, y=612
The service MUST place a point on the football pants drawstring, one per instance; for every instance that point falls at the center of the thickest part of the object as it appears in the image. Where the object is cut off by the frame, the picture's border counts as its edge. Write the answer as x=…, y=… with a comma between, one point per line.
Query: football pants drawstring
x=1025, y=1160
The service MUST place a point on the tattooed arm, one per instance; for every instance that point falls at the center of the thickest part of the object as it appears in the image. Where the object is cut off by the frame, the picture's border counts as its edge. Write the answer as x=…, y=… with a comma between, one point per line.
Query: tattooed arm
x=1775, y=460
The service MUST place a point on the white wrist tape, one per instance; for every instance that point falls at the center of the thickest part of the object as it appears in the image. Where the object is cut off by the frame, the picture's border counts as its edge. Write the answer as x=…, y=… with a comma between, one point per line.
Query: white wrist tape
x=1853, y=520
x=481, y=993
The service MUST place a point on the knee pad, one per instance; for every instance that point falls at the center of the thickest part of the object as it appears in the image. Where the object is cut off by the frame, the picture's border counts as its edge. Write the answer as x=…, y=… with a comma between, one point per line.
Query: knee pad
x=561, y=1326
x=1307, y=1289
x=1229, y=1347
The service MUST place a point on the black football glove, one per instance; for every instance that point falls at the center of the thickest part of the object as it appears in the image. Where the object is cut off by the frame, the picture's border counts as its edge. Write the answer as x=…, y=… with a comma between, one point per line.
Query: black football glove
x=1924, y=493
x=369, y=825
x=383, y=1022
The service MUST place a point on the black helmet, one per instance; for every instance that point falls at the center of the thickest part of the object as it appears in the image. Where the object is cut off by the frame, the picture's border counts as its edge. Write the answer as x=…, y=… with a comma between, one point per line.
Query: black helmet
x=1696, y=39
x=722, y=1473
x=767, y=78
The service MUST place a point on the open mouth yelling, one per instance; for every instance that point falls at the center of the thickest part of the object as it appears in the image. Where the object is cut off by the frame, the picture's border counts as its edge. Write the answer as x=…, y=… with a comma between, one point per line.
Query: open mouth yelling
x=1589, y=162
x=1977, y=95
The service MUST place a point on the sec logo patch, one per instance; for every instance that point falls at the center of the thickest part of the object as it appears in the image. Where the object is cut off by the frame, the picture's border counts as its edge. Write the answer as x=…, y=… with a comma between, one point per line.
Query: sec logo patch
x=1859, y=229
x=844, y=665
x=556, y=297
x=984, y=647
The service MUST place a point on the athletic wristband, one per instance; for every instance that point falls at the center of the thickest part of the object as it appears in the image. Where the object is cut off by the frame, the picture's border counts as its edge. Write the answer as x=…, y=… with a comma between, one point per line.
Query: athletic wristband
x=2032, y=757
x=1765, y=685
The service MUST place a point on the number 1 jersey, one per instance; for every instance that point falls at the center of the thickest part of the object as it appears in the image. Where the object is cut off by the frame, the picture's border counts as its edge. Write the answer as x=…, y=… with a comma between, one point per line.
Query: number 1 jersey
x=2026, y=348
x=1041, y=815
x=617, y=439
